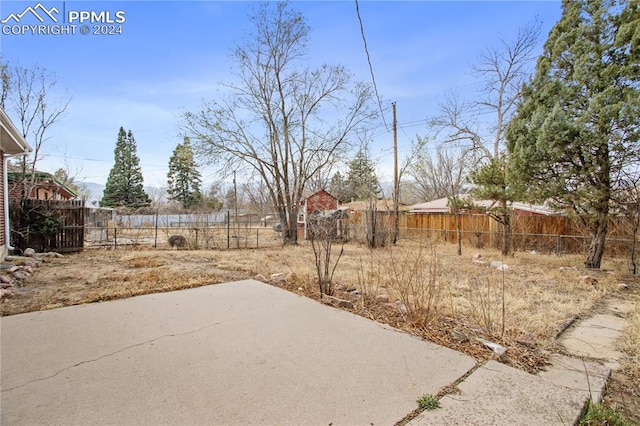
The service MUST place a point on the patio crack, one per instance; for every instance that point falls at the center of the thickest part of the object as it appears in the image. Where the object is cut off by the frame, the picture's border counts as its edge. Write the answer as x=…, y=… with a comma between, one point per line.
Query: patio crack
x=146, y=342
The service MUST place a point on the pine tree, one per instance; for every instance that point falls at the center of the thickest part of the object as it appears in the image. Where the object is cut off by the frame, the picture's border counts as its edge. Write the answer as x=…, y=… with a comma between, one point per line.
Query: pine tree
x=491, y=184
x=124, y=184
x=337, y=187
x=362, y=182
x=184, y=178
x=577, y=131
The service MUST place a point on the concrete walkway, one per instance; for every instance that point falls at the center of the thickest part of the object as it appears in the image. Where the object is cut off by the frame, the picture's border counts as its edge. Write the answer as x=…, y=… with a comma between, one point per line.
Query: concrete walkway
x=230, y=354
x=496, y=394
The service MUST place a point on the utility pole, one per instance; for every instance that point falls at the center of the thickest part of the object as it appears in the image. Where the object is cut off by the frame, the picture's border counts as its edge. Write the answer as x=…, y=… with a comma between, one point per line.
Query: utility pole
x=396, y=183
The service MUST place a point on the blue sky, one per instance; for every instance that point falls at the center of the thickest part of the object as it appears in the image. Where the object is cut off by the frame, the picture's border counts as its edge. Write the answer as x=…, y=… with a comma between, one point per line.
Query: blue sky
x=173, y=54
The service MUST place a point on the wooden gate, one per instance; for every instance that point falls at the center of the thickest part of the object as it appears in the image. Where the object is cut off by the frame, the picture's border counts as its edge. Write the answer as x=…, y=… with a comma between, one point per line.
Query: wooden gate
x=69, y=236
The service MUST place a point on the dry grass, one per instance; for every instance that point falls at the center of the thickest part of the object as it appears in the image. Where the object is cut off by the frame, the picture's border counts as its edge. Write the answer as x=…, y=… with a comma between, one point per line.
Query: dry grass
x=432, y=291
x=630, y=345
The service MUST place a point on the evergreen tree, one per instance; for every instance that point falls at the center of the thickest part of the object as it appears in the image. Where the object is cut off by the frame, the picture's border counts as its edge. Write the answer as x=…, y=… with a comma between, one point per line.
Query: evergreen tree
x=491, y=184
x=362, y=182
x=184, y=178
x=124, y=184
x=577, y=129
x=337, y=187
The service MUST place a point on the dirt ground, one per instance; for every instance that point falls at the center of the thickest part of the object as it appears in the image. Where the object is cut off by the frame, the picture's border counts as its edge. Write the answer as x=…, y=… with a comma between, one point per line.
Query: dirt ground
x=542, y=294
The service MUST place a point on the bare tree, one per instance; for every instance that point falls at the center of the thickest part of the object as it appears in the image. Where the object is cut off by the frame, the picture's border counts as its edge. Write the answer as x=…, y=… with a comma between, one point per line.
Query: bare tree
x=439, y=171
x=29, y=95
x=327, y=245
x=479, y=125
x=281, y=120
x=258, y=199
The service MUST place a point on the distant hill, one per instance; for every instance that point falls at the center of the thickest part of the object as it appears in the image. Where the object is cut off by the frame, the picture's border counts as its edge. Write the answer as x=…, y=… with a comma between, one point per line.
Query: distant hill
x=93, y=192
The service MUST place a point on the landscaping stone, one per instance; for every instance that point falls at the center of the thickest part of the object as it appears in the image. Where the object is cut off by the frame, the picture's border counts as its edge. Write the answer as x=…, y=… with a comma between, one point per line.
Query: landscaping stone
x=382, y=298
x=20, y=275
x=478, y=259
x=5, y=279
x=588, y=280
x=278, y=278
x=260, y=278
x=29, y=252
x=335, y=301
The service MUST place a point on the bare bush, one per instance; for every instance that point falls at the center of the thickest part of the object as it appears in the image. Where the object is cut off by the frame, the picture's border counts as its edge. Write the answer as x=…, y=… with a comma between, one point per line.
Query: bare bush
x=413, y=275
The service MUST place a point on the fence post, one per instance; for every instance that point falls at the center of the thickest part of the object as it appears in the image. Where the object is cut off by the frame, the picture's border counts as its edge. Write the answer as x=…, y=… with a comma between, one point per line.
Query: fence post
x=257, y=237
x=196, y=245
x=115, y=238
x=228, y=229
x=155, y=236
x=558, y=245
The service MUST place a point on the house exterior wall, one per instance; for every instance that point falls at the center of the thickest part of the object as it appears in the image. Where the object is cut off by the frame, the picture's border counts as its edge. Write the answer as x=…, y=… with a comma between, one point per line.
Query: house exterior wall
x=39, y=193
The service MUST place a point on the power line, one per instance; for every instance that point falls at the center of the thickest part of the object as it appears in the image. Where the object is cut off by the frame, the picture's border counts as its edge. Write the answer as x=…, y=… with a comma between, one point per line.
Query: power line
x=373, y=77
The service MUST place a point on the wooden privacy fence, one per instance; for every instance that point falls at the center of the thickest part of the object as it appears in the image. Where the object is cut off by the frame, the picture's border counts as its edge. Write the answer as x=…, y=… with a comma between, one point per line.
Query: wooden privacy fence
x=69, y=236
x=551, y=234
x=557, y=234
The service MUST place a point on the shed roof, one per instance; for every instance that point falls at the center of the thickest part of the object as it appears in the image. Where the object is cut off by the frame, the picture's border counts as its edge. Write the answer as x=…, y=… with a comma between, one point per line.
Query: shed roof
x=441, y=206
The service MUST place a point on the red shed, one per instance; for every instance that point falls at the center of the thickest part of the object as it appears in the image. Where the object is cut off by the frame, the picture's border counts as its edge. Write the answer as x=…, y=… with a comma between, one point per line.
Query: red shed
x=321, y=201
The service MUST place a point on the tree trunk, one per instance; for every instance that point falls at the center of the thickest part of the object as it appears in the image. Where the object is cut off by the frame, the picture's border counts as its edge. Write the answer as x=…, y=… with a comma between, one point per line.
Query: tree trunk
x=458, y=232
x=505, y=220
x=290, y=226
x=596, y=247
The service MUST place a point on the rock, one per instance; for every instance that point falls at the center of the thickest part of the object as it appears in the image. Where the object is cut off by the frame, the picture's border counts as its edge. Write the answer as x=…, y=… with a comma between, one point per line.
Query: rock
x=5, y=279
x=29, y=252
x=499, y=265
x=20, y=275
x=177, y=242
x=496, y=348
x=27, y=269
x=13, y=269
x=527, y=340
x=6, y=285
x=621, y=286
x=588, y=280
x=334, y=301
x=477, y=256
x=384, y=298
x=478, y=259
x=6, y=293
x=278, y=279
x=260, y=278
x=402, y=307
x=31, y=262
x=300, y=288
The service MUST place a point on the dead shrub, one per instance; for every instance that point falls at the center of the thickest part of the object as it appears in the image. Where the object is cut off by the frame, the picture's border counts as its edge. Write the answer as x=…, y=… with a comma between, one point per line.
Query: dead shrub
x=413, y=276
